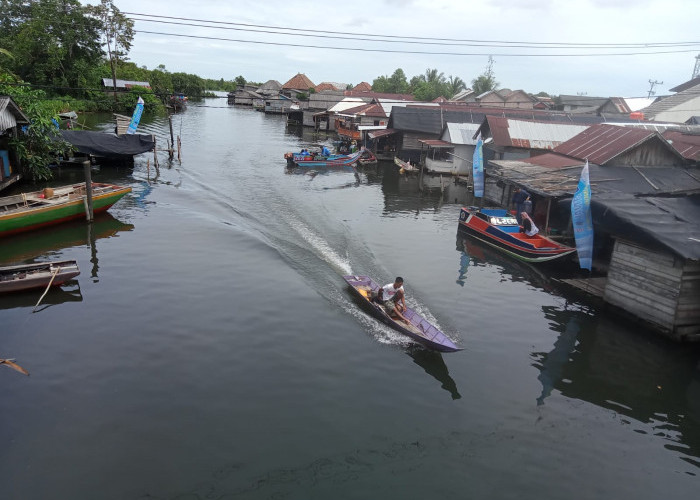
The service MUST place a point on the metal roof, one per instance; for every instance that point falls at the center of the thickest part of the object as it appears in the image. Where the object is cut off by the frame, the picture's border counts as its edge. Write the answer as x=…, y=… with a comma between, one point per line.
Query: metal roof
x=10, y=114
x=528, y=134
x=659, y=206
x=671, y=102
x=688, y=145
x=603, y=142
x=381, y=133
x=552, y=181
x=436, y=143
x=124, y=84
x=460, y=133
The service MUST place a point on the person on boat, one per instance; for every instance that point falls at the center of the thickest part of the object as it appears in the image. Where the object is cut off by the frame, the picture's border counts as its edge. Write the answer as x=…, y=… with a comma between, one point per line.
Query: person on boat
x=325, y=151
x=529, y=227
x=520, y=196
x=391, y=296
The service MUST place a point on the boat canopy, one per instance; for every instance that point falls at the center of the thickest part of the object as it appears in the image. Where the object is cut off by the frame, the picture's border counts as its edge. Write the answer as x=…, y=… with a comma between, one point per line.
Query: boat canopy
x=104, y=144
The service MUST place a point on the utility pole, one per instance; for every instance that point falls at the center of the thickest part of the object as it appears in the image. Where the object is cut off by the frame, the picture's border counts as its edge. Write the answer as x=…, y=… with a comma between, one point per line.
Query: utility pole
x=651, y=89
x=696, y=70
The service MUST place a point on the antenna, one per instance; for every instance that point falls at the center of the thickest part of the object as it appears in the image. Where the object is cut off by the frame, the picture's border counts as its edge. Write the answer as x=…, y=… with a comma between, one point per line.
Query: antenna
x=651, y=89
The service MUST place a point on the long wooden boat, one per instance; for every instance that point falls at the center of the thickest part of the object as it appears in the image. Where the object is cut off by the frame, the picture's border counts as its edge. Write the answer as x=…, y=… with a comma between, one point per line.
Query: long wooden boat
x=404, y=166
x=38, y=275
x=420, y=329
x=339, y=161
x=28, y=211
x=498, y=228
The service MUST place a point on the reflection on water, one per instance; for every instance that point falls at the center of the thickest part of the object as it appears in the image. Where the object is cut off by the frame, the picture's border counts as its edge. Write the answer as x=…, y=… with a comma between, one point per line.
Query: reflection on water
x=434, y=365
x=50, y=241
x=653, y=385
x=69, y=292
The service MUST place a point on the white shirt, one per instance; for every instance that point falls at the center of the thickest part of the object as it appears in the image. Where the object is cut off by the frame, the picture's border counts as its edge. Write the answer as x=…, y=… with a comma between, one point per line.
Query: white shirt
x=388, y=291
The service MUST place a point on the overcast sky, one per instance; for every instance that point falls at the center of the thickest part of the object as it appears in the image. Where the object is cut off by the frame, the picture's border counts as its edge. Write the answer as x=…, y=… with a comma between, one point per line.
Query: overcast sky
x=573, y=28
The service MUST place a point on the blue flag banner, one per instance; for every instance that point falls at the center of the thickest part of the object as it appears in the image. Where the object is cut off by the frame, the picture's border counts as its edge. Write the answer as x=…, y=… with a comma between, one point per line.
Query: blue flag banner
x=478, y=168
x=136, y=117
x=582, y=220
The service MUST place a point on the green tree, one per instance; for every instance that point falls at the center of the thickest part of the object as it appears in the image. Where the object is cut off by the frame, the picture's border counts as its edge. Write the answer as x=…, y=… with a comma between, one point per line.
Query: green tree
x=455, y=85
x=37, y=144
x=486, y=81
x=116, y=32
x=394, y=84
x=51, y=40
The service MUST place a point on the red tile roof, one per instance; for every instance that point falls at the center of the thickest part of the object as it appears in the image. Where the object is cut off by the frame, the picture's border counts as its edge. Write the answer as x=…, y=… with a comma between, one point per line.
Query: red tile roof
x=299, y=82
x=362, y=87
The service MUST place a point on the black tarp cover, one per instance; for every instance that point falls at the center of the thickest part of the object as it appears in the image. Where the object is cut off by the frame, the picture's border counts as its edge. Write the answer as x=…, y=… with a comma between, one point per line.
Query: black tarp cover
x=105, y=144
x=670, y=223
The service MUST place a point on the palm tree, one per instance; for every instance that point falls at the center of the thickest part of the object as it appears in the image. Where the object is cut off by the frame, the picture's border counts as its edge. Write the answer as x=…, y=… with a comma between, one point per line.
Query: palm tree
x=455, y=85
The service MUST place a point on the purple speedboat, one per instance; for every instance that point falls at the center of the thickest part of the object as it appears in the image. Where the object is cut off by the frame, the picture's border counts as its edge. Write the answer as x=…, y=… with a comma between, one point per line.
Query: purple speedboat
x=420, y=329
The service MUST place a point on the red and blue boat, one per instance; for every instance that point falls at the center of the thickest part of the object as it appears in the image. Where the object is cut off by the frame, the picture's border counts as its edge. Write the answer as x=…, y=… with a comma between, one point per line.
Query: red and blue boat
x=498, y=228
x=419, y=329
x=331, y=161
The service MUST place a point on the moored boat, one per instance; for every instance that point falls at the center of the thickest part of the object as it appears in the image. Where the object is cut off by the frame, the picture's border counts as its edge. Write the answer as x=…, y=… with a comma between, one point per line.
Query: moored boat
x=29, y=211
x=420, y=329
x=404, y=166
x=337, y=161
x=500, y=229
x=37, y=275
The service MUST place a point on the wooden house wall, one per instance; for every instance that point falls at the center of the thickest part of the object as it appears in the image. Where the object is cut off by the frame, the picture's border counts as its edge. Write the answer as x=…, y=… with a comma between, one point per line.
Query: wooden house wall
x=688, y=310
x=645, y=283
x=519, y=99
x=493, y=99
x=410, y=139
x=651, y=154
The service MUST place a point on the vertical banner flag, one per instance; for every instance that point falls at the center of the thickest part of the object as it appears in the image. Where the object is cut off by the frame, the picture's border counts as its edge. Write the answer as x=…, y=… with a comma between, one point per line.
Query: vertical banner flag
x=478, y=168
x=136, y=117
x=582, y=220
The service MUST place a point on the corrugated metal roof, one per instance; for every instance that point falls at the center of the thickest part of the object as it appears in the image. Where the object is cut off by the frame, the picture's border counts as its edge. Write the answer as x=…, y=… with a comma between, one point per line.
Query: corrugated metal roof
x=346, y=103
x=10, y=114
x=671, y=102
x=460, y=133
x=436, y=143
x=365, y=110
x=688, y=145
x=124, y=84
x=528, y=134
x=381, y=133
x=562, y=181
x=602, y=143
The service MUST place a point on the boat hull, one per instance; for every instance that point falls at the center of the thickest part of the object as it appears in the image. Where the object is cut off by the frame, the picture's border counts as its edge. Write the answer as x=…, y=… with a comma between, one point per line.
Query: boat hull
x=40, y=212
x=39, y=275
x=341, y=161
x=508, y=238
x=420, y=331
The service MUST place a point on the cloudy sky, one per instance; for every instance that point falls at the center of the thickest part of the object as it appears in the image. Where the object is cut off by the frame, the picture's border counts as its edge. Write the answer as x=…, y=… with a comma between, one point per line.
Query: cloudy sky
x=591, y=47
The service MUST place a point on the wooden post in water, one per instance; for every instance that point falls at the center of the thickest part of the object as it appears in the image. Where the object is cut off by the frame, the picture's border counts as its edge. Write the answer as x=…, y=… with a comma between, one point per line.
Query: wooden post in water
x=171, y=148
x=88, y=191
x=155, y=153
x=179, y=146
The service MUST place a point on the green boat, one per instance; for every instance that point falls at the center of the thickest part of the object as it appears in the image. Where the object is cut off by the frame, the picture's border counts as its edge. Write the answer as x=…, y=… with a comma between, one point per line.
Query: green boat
x=29, y=211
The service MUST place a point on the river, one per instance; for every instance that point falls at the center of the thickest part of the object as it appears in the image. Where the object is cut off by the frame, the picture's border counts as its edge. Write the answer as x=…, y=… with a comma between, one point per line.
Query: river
x=210, y=348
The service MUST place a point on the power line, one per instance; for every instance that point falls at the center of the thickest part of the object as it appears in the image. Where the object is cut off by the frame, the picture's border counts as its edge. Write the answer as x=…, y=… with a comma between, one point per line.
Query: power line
x=409, y=40
x=389, y=51
x=406, y=39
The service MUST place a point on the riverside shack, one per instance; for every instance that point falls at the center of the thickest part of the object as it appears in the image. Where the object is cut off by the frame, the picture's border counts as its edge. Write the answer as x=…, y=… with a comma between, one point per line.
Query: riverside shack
x=11, y=118
x=645, y=205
